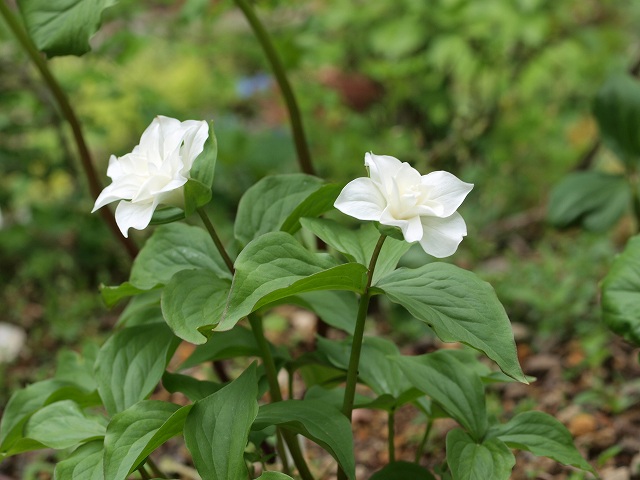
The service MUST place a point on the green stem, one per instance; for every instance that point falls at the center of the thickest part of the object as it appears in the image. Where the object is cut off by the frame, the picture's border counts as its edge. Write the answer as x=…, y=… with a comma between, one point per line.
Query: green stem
x=391, y=432
x=143, y=473
x=299, y=138
x=276, y=395
x=216, y=239
x=356, y=345
x=154, y=468
x=423, y=442
x=68, y=113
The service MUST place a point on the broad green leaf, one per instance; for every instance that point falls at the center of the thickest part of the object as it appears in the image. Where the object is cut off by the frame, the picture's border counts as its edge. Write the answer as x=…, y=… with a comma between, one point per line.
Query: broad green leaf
x=165, y=215
x=317, y=203
x=193, y=302
x=62, y=27
x=274, y=476
x=63, y=425
x=316, y=420
x=237, y=342
x=275, y=266
x=335, y=397
x=22, y=404
x=621, y=293
x=459, y=307
x=469, y=460
x=375, y=370
x=268, y=204
x=196, y=194
x=204, y=166
x=77, y=369
x=131, y=363
x=403, y=471
x=336, y=308
x=457, y=389
x=217, y=428
x=85, y=463
x=358, y=245
x=617, y=110
x=595, y=200
x=112, y=295
x=193, y=388
x=543, y=435
x=173, y=248
x=142, y=309
x=136, y=432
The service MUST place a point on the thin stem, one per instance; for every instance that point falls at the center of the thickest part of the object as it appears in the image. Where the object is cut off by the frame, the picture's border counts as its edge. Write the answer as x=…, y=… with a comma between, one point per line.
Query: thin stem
x=356, y=345
x=154, y=468
x=276, y=395
x=216, y=239
x=297, y=129
x=423, y=442
x=282, y=453
x=68, y=113
x=143, y=473
x=391, y=433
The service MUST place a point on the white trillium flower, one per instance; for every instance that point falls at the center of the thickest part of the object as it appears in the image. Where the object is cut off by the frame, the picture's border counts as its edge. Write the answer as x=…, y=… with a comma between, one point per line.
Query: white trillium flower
x=154, y=172
x=422, y=206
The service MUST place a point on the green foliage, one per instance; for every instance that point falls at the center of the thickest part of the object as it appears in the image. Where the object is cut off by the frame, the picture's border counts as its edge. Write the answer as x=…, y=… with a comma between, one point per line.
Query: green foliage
x=85, y=463
x=469, y=459
x=621, y=293
x=402, y=471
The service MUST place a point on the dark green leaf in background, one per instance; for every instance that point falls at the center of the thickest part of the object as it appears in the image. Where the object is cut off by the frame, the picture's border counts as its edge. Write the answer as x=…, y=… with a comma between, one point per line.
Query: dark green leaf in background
x=62, y=27
x=317, y=203
x=621, y=293
x=595, y=200
x=469, y=460
x=402, y=471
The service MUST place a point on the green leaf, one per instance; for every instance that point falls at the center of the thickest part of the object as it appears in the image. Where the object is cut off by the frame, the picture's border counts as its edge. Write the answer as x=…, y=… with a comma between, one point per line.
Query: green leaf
x=112, y=295
x=274, y=476
x=63, y=425
x=217, y=428
x=196, y=194
x=457, y=389
x=617, y=110
x=316, y=420
x=469, y=460
x=173, y=248
x=142, y=309
x=268, y=204
x=237, y=342
x=62, y=27
x=22, y=404
x=317, y=203
x=595, y=200
x=459, y=307
x=136, y=432
x=336, y=308
x=358, y=245
x=204, y=166
x=193, y=388
x=403, y=471
x=165, y=215
x=375, y=370
x=543, y=435
x=131, y=363
x=193, y=302
x=77, y=369
x=275, y=266
x=621, y=293
x=85, y=463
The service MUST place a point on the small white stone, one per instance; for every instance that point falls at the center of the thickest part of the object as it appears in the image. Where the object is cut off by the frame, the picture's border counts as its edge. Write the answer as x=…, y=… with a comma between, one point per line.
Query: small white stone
x=12, y=340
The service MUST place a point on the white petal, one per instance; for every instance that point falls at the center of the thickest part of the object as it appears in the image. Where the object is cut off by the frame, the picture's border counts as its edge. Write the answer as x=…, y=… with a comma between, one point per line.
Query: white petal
x=411, y=227
x=442, y=235
x=116, y=191
x=446, y=189
x=361, y=199
x=134, y=215
x=195, y=137
x=381, y=167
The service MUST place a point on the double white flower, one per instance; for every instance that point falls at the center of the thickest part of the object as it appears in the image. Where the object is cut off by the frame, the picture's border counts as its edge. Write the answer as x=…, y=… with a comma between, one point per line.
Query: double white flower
x=154, y=172
x=422, y=206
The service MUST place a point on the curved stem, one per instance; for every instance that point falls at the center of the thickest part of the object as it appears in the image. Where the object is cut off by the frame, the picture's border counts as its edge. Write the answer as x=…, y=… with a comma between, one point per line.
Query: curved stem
x=143, y=473
x=356, y=345
x=423, y=442
x=68, y=113
x=216, y=239
x=299, y=138
x=154, y=468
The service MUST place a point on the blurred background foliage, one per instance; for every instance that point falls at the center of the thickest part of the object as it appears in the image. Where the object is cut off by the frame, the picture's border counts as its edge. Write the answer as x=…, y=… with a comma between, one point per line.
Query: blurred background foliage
x=497, y=92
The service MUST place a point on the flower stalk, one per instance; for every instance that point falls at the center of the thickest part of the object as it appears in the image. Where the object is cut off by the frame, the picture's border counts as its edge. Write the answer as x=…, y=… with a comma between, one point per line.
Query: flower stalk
x=297, y=129
x=216, y=239
x=69, y=115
